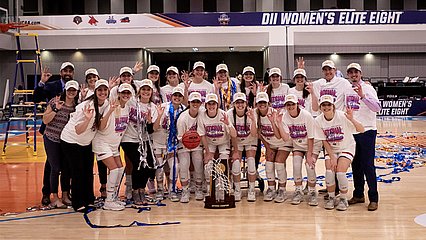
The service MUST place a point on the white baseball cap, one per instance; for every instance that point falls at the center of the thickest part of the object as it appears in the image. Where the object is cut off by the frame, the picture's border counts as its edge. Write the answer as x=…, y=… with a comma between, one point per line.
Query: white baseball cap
x=211, y=97
x=355, y=66
x=328, y=63
x=178, y=90
x=299, y=71
x=153, y=68
x=249, y=69
x=101, y=82
x=125, y=87
x=66, y=64
x=262, y=97
x=239, y=96
x=326, y=98
x=173, y=69
x=199, y=64
x=72, y=84
x=126, y=70
x=274, y=70
x=221, y=66
x=291, y=98
x=91, y=71
x=145, y=82
x=194, y=96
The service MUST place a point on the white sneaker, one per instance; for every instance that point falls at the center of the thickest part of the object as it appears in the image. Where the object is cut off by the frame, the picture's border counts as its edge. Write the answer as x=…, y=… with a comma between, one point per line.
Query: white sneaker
x=297, y=198
x=270, y=195
x=329, y=203
x=199, y=195
x=312, y=199
x=160, y=194
x=173, y=197
x=109, y=205
x=342, y=205
x=251, y=195
x=237, y=195
x=280, y=196
x=185, y=196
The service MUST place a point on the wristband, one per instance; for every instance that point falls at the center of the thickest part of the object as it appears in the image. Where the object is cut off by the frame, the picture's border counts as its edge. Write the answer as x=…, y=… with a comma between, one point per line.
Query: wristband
x=55, y=109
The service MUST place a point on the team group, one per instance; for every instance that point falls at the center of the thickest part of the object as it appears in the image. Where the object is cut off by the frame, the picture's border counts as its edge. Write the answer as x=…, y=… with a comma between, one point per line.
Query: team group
x=233, y=117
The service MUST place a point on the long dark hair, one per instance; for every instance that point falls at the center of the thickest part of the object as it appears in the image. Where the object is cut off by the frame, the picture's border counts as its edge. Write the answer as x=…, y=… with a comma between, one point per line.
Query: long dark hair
x=98, y=115
x=234, y=113
x=251, y=96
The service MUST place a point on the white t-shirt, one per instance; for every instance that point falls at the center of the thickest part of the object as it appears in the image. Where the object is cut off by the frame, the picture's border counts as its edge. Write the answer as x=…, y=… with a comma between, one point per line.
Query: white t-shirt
x=203, y=88
x=267, y=131
x=216, y=132
x=166, y=93
x=300, y=128
x=304, y=103
x=338, y=132
x=243, y=128
x=131, y=134
x=337, y=88
x=278, y=96
x=361, y=111
x=160, y=136
x=114, y=130
x=186, y=123
x=69, y=134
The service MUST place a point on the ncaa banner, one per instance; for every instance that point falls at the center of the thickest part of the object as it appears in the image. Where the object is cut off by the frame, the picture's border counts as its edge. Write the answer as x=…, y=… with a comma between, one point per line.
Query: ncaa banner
x=402, y=107
x=171, y=20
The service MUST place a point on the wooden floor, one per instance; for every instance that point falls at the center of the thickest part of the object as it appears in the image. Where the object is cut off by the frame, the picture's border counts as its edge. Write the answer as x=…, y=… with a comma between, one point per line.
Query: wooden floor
x=400, y=202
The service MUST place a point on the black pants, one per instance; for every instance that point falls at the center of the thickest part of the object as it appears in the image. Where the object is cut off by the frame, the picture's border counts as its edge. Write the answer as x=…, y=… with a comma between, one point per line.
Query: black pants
x=80, y=159
x=46, y=179
x=103, y=172
x=139, y=177
x=58, y=165
x=363, y=165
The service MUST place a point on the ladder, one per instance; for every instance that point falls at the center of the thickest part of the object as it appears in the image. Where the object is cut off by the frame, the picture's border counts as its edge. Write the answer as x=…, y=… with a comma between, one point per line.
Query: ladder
x=23, y=114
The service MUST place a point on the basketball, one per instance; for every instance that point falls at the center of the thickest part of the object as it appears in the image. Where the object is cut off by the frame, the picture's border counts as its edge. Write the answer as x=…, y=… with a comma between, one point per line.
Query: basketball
x=191, y=139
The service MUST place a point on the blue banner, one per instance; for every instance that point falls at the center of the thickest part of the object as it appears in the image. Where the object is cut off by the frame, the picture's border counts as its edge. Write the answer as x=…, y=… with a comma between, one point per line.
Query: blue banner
x=296, y=18
x=403, y=107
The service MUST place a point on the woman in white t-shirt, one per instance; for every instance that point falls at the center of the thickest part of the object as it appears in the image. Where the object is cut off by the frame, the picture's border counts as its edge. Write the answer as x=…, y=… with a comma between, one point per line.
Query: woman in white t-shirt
x=336, y=128
x=106, y=144
x=244, y=122
x=92, y=76
x=172, y=77
x=165, y=141
x=303, y=92
x=300, y=125
x=248, y=85
x=187, y=121
x=153, y=74
x=137, y=140
x=276, y=152
x=215, y=131
x=276, y=89
x=225, y=86
x=198, y=83
x=76, y=139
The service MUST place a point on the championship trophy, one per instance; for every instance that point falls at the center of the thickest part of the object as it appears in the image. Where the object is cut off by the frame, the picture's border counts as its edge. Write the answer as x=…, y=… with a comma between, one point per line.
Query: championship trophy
x=220, y=186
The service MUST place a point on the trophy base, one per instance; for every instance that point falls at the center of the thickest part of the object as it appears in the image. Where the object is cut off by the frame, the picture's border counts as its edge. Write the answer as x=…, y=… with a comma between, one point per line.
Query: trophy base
x=211, y=203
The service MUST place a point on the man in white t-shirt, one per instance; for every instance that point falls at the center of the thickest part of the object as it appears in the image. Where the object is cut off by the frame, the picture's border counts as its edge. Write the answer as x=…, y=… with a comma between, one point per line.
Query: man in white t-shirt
x=365, y=104
x=331, y=85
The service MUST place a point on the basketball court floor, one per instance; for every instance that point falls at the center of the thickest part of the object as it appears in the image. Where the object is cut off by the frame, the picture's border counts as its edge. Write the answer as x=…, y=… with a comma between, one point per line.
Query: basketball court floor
x=401, y=213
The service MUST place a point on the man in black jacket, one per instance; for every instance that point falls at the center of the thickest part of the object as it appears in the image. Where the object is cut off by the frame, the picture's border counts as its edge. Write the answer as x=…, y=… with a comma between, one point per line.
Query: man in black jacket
x=45, y=91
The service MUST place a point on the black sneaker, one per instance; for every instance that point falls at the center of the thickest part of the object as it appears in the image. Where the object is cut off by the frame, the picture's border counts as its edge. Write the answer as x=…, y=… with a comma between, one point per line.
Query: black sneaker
x=45, y=200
